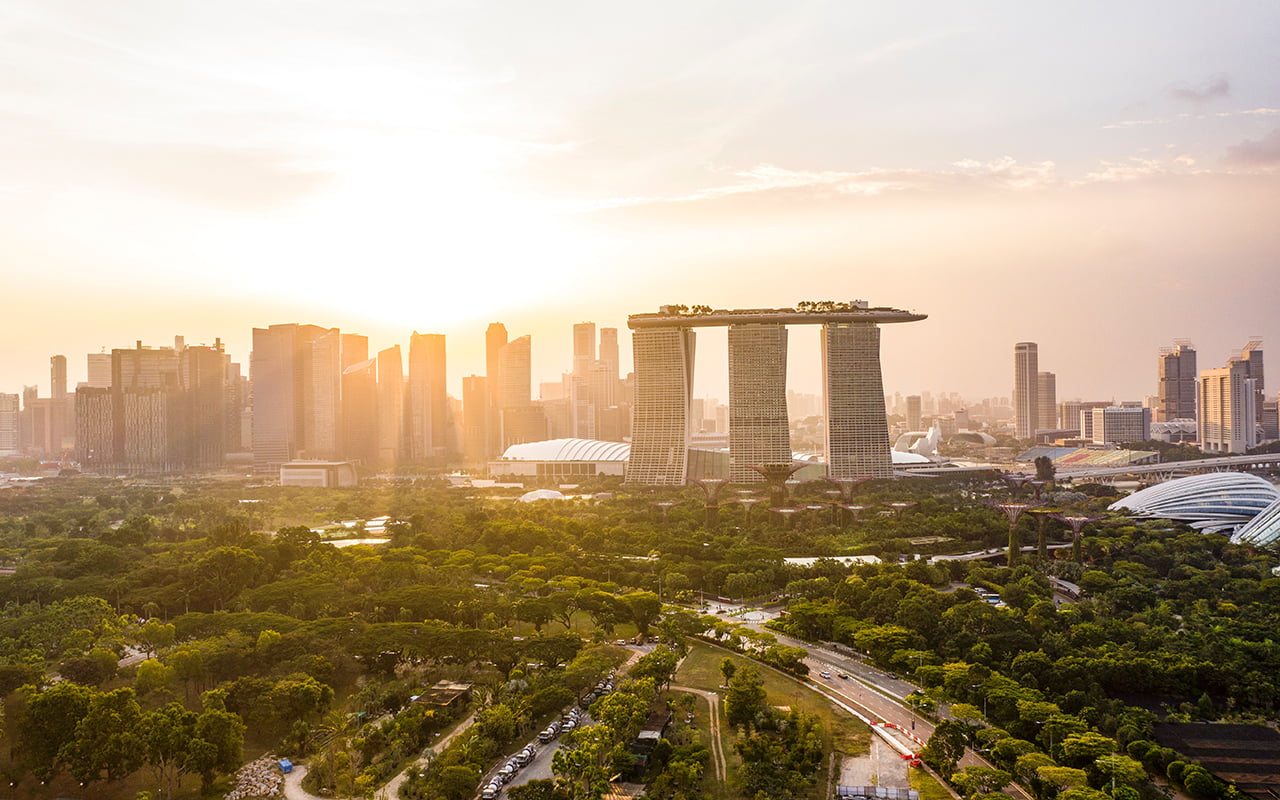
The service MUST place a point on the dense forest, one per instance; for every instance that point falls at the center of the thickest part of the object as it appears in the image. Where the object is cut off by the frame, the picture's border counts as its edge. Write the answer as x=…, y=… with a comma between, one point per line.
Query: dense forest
x=154, y=637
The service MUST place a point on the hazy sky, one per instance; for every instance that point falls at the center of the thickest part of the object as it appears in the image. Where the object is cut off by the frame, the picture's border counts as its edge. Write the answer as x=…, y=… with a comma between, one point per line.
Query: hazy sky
x=1098, y=177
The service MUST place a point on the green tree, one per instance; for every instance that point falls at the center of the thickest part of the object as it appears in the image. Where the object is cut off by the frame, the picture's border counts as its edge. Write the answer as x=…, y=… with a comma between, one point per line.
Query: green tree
x=745, y=698
x=946, y=746
x=976, y=781
x=727, y=668
x=106, y=744
x=1121, y=769
x=46, y=722
x=643, y=608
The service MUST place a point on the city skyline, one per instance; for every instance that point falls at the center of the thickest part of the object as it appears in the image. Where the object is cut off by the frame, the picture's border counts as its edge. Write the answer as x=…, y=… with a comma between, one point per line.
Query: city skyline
x=208, y=170
x=710, y=375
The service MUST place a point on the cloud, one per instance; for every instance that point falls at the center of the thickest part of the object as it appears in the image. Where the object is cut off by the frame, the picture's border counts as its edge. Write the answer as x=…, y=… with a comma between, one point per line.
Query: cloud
x=1217, y=87
x=1004, y=173
x=1262, y=152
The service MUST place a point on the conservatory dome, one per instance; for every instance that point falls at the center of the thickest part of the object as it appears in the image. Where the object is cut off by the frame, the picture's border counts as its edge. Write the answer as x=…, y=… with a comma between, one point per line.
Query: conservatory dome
x=1215, y=502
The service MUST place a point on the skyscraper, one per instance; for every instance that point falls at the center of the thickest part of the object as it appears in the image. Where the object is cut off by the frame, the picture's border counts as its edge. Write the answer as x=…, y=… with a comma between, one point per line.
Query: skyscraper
x=1026, y=384
x=429, y=422
x=281, y=373
x=1228, y=413
x=99, y=370
x=495, y=338
x=1047, y=400
x=857, y=432
x=322, y=395
x=519, y=420
x=758, y=429
x=390, y=405
x=476, y=414
x=359, y=440
x=584, y=348
x=203, y=427
x=1176, y=393
x=664, y=384
x=609, y=351
x=915, y=416
x=9, y=424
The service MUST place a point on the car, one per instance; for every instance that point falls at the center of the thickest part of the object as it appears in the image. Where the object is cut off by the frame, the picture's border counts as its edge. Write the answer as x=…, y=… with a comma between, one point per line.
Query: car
x=825, y=674
x=843, y=676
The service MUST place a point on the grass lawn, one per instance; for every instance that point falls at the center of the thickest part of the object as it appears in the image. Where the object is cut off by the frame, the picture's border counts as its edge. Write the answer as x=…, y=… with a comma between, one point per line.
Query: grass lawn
x=927, y=785
x=844, y=733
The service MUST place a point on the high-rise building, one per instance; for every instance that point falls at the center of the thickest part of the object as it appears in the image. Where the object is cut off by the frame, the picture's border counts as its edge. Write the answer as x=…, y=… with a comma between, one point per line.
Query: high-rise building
x=1118, y=425
x=99, y=370
x=1176, y=393
x=1026, y=385
x=360, y=411
x=9, y=410
x=857, y=431
x=495, y=338
x=758, y=429
x=274, y=368
x=664, y=359
x=476, y=413
x=322, y=396
x=390, y=405
x=584, y=348
x=202, y=430
x=1047, y=400
x=609, y=351
x=1251, y=355
x=58, y=377
x=915, y=415
x=429, y=418
x=95, y=428
x=519, y=420
x=1227, y=400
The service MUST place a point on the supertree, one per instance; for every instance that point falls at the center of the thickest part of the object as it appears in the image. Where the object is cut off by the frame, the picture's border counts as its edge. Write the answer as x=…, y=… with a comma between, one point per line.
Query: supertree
x=711, y=488
x=1042, y=515
x=1076, y=522
x=665, y=506
x=1013, y=511
x=847, y=486
x=775, y=477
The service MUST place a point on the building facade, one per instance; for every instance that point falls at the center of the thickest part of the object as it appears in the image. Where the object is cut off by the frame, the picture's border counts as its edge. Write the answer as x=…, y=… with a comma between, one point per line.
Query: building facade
x=1026, y=385
x=759, y=432
x=1176, y=393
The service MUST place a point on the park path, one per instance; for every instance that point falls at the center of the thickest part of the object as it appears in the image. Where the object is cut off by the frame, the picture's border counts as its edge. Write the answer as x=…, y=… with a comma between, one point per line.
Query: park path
x=717, y=748
x=391, y=790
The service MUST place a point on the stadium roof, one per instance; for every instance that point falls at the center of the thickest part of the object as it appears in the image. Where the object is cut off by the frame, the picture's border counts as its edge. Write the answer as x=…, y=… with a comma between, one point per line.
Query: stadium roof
x=568, y=450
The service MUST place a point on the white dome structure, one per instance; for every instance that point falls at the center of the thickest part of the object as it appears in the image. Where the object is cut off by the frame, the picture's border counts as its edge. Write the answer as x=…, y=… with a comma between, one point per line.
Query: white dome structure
x=1261, y=531
x=541, y=494
x=568, y=450
x=1215, y=502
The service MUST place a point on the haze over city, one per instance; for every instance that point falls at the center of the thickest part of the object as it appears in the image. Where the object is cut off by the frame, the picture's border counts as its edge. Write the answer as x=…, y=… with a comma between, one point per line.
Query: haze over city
x=1101, y=180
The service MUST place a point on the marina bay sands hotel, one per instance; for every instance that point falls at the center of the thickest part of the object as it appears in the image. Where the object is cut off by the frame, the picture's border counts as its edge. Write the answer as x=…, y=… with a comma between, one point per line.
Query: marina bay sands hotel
x=857, y=435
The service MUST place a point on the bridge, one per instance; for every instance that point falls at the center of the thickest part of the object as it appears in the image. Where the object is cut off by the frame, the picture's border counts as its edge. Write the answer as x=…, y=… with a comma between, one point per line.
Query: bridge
x=1173, y=469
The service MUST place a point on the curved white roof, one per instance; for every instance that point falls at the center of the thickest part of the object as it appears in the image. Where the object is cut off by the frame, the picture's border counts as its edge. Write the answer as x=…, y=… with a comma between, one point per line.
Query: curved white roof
x=1261, y=531
x=1213, y=502
x=568, y=450
x=541, y=494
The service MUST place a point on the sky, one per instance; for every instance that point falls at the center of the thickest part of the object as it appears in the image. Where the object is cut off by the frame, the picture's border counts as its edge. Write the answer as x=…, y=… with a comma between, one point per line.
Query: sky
x=1099, y=178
